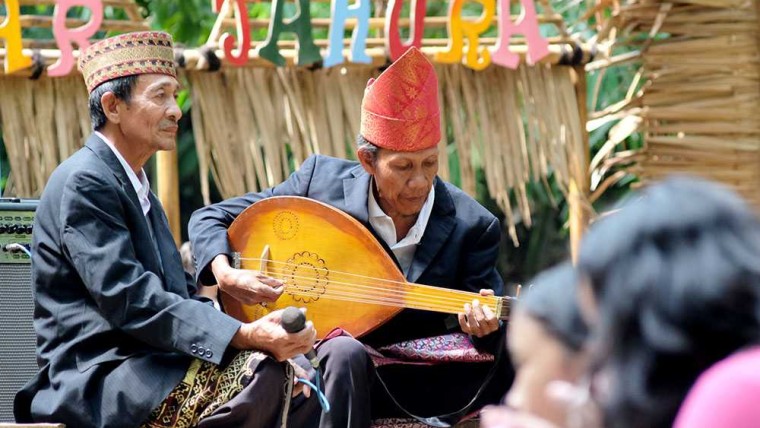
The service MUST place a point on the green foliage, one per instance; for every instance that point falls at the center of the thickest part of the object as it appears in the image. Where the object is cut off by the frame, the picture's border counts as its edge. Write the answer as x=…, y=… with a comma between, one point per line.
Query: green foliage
x=189, y=21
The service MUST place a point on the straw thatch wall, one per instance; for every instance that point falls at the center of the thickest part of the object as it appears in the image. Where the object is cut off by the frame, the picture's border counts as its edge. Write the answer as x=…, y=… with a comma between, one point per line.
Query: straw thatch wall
x=701, y=105
x=43, y=121
x=253, y=126
x=518, y=125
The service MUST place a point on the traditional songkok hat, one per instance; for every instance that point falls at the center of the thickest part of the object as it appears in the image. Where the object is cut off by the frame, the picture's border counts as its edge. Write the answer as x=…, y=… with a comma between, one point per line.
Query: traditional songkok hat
x=144, y=52
x=400, y=108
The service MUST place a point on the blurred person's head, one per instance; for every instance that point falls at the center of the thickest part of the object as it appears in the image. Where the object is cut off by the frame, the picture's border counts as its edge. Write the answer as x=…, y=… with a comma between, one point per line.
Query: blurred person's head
x=674, y=276
x=545, y=339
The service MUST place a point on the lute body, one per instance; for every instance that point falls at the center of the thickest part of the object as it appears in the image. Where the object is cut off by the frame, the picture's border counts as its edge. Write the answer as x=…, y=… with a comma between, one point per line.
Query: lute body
x=332, y=265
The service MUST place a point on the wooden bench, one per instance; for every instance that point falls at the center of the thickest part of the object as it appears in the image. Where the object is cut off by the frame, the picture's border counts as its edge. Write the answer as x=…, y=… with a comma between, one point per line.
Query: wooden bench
x=6, y=425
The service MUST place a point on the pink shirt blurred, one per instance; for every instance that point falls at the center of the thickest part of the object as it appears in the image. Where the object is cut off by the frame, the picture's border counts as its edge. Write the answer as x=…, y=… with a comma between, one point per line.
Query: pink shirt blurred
x=727, y=395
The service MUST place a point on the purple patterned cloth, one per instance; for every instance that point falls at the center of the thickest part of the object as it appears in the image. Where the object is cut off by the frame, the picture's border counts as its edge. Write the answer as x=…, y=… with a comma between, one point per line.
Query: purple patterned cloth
x=467, y=422
x=455, y=347
x=448, y=348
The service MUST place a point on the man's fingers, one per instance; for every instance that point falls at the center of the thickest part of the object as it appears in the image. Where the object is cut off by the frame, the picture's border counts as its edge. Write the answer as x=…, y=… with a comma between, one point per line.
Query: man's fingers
x=488, y=313
x=472, y=323
x=463, y=323
x=310, y=336
x=486, y=292
x=275, y=316
x=268, y=294
x=268, y=280
x=477, y=312
x=245, y=297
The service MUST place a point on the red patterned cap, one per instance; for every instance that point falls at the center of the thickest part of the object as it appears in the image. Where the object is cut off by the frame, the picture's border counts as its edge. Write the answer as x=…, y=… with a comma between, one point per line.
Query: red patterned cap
x=400, y=108
x=143, y=52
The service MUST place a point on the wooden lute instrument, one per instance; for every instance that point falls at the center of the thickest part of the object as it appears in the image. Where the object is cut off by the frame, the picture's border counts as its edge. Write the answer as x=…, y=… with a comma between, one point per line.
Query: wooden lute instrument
x=332, y=265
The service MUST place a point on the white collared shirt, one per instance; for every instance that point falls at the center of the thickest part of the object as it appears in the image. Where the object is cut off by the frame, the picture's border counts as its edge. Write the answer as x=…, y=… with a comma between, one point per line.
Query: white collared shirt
x=403, y=249
x=140, y=184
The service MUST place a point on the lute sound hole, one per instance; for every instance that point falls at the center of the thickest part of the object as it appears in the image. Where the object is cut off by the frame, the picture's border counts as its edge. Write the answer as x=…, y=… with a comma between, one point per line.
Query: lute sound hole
x=305, y=277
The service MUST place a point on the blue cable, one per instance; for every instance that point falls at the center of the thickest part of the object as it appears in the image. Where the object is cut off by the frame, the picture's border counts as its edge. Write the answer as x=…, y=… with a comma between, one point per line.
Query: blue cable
x=18, y=247
x=320, y=395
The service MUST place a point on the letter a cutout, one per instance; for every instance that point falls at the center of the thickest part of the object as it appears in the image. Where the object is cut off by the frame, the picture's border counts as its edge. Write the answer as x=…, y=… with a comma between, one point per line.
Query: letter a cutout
x=527, y=25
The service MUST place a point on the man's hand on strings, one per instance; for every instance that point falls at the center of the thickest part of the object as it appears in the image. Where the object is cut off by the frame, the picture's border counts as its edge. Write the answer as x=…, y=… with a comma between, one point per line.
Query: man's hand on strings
x=266, y=334
x=248, y=286
x=478, y=320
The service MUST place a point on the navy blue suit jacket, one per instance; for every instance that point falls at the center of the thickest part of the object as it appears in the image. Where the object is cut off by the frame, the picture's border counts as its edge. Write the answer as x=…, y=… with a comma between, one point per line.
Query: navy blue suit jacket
x=458, y=249
x=116, y=324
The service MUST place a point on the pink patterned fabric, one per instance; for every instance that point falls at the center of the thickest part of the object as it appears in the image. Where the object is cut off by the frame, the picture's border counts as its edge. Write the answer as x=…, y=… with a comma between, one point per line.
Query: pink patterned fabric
x=398, y=423
x=468, y=421
x=455, y=347
x=449, y=348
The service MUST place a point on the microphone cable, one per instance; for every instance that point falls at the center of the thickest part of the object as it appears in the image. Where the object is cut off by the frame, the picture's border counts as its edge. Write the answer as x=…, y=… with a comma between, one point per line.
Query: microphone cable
x=315, y=387
x=293, y=321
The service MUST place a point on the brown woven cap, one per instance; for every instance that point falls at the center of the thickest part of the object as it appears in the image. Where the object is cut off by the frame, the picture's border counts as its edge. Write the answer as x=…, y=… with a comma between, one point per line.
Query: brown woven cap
x=144, y=52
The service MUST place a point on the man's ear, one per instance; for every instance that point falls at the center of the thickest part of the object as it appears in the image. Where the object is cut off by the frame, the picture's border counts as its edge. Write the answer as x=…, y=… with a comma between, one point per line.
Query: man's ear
x=110, y=105
x=367, y=159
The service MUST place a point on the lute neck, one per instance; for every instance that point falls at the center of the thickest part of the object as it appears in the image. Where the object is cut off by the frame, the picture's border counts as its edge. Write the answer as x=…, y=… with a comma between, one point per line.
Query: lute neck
x=444, y=300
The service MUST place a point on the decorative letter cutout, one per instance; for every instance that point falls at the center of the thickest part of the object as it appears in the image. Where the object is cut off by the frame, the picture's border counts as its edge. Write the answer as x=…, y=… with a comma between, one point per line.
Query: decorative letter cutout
x=538, y=47
x=243, y=30
x=417, y=25
x=308, y=52
x=65, y=36
x=477, y=58
x=10, y=30
x=340, y=12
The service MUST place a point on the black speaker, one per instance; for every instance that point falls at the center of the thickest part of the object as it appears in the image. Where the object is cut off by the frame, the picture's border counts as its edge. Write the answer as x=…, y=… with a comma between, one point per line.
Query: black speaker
x=18, y=361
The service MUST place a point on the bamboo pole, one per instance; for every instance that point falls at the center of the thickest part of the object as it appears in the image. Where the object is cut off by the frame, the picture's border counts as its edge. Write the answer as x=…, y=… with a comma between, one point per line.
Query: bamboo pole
x=167, y=177
x=379, y=22
x=110, y=24
x=378, y=55
x=579, y=184
x=194, y=60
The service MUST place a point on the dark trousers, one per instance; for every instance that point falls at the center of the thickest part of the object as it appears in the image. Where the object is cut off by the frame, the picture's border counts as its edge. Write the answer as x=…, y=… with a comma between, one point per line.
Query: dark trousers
x=357, y=397
x=259, y=404
x=348, y=374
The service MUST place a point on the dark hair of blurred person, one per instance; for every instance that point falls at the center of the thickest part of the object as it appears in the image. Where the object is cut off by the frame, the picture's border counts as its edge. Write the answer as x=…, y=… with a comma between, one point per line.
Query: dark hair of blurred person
x=545, y=340
x=675, y=280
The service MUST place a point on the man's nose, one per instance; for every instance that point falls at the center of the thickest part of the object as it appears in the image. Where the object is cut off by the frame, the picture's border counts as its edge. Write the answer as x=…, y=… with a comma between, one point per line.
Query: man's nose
x=175, y=112
x=418, y=180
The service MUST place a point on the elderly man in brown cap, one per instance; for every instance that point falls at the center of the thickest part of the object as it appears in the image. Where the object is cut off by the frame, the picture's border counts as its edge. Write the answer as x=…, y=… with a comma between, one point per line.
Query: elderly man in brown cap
x=123, y=341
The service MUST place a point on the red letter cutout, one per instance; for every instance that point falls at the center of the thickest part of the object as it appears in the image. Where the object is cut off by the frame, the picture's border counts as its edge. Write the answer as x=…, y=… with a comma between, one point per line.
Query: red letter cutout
x=417, y=25
x=243, y=30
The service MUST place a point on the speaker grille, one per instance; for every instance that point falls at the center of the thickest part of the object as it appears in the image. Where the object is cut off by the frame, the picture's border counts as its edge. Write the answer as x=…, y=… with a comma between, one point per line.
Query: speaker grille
x=17, y=340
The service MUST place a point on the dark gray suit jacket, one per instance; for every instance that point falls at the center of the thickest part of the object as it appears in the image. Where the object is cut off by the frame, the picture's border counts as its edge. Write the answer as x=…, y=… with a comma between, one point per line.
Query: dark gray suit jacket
x=116, y=324
x=457, y=251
